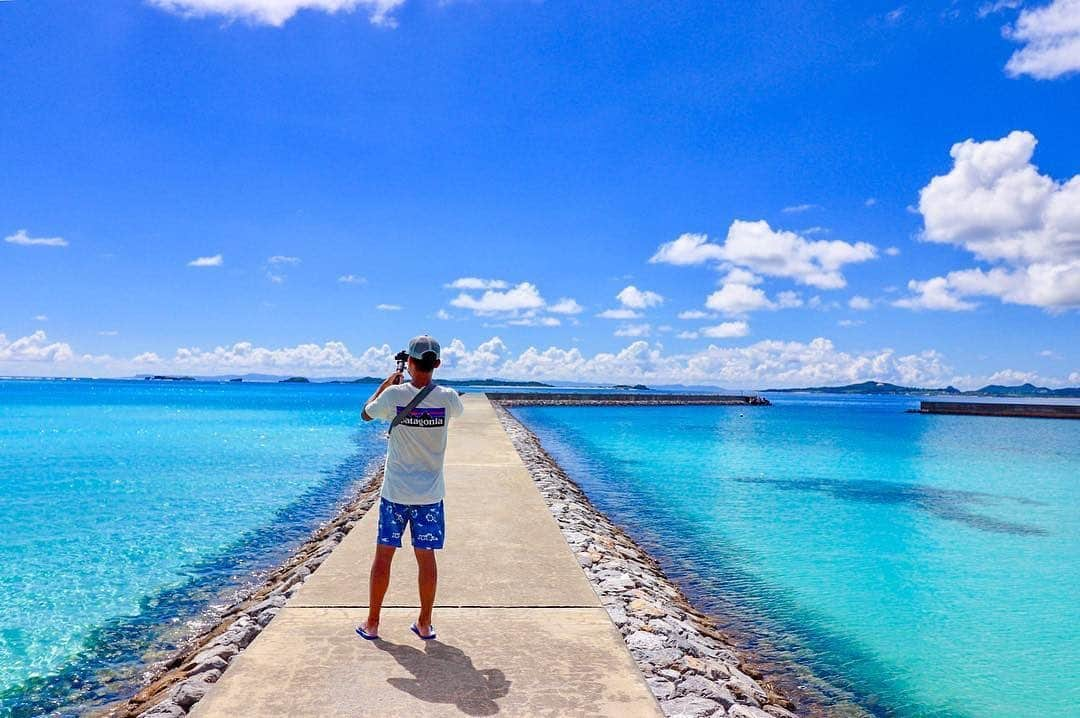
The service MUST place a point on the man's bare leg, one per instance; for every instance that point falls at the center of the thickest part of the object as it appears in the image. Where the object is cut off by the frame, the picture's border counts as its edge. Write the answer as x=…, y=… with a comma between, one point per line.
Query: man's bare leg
x=378, y=582
x=428, y=578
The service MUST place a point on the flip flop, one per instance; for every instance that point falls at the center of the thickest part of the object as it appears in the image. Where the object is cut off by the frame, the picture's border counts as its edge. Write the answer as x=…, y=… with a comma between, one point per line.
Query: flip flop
x=429, y=637
x=365, y=635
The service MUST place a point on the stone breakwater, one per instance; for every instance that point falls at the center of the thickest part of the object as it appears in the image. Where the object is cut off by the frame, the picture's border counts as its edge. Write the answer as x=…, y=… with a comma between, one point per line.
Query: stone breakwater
x=586, y=399
x=692, y=669
x=175, y=685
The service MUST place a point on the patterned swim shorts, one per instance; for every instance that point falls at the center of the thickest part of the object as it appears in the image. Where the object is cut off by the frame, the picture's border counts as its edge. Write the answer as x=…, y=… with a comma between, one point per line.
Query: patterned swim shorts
x=428, y=527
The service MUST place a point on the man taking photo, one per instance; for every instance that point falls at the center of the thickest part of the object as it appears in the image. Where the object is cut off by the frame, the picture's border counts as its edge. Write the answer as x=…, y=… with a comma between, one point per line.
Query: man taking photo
x=412, y=490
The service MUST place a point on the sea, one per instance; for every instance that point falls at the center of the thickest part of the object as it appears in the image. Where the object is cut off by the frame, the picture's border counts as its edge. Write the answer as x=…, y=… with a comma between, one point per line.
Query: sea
x=871, y=560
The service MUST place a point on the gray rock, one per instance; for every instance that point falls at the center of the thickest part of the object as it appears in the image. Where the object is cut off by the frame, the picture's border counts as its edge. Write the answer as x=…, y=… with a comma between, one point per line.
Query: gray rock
x=191, y=691
x=266, y=616
x=690, y=707
x=217, y=663
x=701, y=686
x=659, y=658
x=271, y=602
x=747, y=712
x=663, y=690
x=617, y=583
x=645, y=641
x=165, y=709
x=618, y=615
x=225, y=652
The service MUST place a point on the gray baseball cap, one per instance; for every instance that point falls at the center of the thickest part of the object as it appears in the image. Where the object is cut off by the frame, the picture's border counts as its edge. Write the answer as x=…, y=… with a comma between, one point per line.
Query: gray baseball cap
x=421, y=345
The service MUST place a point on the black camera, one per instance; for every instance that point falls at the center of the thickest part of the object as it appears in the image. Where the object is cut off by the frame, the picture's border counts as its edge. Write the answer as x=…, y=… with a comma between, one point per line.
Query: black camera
x=402, y=358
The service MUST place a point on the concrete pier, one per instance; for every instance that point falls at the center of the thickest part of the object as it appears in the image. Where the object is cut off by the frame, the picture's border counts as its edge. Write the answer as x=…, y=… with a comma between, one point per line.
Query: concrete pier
x=521, y=631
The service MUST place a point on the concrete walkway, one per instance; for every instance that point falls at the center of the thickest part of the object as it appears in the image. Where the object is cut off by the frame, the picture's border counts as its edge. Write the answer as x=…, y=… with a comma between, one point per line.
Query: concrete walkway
x=521, y=632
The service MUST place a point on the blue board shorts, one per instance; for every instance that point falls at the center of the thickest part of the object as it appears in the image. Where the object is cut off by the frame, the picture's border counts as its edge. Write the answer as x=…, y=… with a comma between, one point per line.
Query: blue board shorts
x=426, y=521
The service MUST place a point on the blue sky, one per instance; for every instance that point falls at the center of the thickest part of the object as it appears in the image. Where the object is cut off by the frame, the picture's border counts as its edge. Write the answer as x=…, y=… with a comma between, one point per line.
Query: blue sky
x=331, y=159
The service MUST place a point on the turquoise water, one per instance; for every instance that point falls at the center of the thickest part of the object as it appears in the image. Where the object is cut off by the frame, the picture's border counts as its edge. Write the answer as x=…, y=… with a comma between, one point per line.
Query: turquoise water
x=917, y=565
x=127, y=509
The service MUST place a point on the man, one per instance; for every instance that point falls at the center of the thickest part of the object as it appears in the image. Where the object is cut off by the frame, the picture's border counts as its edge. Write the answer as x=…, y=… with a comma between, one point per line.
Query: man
x=412, y=489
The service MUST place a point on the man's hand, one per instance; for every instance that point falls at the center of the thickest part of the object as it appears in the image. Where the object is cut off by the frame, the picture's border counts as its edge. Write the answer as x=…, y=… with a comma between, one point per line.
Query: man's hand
x=395, y=378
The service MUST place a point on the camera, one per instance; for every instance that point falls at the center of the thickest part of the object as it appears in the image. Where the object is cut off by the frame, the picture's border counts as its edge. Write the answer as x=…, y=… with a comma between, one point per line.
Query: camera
x=402, y=358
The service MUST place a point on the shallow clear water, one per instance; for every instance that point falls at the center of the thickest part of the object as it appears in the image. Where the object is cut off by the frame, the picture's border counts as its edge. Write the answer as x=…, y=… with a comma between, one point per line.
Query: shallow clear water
x=918, y=565
x=127, y=508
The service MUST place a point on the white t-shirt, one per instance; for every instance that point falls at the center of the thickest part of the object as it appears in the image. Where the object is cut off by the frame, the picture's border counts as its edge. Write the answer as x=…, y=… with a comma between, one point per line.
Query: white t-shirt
x=414, y=459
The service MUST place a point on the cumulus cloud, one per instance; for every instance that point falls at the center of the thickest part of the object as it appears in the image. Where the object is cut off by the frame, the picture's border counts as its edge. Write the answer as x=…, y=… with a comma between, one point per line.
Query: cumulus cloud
x=736, y=298
x=759, y=248
x=635, y=298
x=215, y=261
x=756, y=365
x=726, y=330
x=278, y=12
x=566, y=306
x=477, y=283
x=524, y=296
x=859, y=303
x=21, y=237
x=997, y=205
x=34, y=347
x=1050, y=35
x=693, y=314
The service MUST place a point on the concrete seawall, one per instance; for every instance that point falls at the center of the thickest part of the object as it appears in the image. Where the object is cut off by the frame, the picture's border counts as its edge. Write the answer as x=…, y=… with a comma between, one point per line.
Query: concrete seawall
x=973, y=408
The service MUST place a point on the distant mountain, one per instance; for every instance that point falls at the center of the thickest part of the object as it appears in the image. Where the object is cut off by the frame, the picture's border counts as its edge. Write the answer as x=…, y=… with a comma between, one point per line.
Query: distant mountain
x=879, y=387
x=1026, y=390
x=870, y=387
x=492, y=382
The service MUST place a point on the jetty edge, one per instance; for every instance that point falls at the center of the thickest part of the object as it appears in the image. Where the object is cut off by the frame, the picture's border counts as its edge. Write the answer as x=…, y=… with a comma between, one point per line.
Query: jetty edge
x=292, y=652
x=988, y=408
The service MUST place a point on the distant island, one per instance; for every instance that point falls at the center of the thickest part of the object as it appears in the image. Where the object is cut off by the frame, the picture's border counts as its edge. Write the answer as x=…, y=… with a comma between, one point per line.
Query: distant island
x=295, y=380
x=878, y=387
x=166, y=377
x=636, y=387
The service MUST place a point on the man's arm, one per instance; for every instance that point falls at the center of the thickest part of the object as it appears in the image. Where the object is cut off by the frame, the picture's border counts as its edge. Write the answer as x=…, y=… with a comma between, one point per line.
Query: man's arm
x=391, y=380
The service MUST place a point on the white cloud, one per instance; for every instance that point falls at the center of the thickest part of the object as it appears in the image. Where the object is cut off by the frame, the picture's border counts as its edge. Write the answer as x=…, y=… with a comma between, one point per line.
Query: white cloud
x=694, y=314
x=22, y=238
x=758, y=365
x=688, y=249
x=108, y=333
x=859, y=303
x=477, y=283
x=1013, y=376
x=892, y=251
x=759, y=248
x=531, y=320
x=1051, y=41
x=741, y=276
x=995, y=204
x=870, y=201
x=727, y=330
x=633, y=330
x=1074, y=377
x=734, y=298
x=798, y=208
x=566, y=305
x=388, y=307
x=687, y=335
x=847, y=323
x=276, y=278
x=41, y=318
x=619, y=314
x=635, y=298
x=351, y=279
x=278, y=12
x=215, y=261
x=933, y=294
x=443, y=314
x=282, y=259
x=34, y=348
x=524, y=296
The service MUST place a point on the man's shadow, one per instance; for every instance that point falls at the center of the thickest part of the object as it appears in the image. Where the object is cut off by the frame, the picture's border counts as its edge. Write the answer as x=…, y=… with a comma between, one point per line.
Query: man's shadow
x=444, y=674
